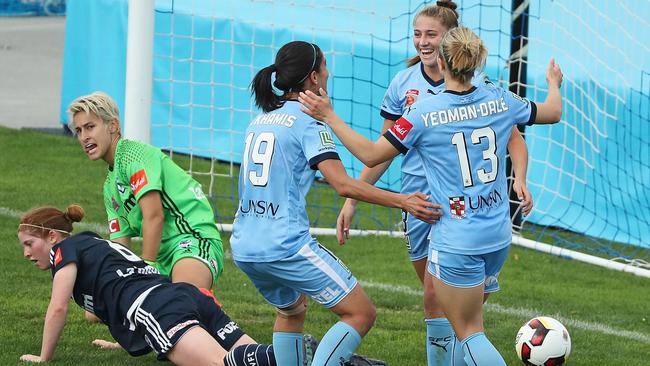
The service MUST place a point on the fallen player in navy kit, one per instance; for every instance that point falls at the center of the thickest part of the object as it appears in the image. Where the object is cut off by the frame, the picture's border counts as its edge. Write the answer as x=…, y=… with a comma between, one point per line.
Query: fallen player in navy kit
x=143, y=310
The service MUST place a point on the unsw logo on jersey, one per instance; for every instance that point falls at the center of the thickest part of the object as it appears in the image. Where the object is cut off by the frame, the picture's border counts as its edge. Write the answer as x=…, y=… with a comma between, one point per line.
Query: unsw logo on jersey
x=401, y=128
x=138, y=180
x=457, y=207
x=411, y=96
x=113, y=226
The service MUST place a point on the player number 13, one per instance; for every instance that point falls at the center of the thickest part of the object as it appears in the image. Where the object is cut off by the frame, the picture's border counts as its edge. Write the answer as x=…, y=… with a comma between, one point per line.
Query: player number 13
x=488, y=154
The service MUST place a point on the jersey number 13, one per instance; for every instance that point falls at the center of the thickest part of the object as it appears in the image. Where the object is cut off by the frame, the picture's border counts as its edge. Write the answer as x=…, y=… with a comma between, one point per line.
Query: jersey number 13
x=488, y=154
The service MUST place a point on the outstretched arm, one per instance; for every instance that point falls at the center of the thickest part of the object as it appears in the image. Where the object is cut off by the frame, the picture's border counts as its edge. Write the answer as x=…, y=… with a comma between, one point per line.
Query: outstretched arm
x=369, y=175
x=550, y=111
x=370, y=154
x=519, y=156
x=416, y=204
x=57, y=311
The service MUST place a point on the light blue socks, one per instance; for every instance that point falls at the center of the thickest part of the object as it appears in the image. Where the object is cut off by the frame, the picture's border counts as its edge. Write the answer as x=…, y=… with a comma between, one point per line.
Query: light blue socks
x=480, y=352
x=440, y=342
x=337, y=345
x=287, y=348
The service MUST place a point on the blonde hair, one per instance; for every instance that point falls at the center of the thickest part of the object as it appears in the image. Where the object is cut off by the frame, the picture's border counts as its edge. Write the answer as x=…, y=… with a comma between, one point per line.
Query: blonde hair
x=445, y=12
x=39, y=221
x=97, y=103
x=463, y=52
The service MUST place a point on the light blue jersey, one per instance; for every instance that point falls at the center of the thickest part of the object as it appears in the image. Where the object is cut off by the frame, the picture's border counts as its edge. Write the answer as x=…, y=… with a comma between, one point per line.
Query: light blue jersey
x=283, y=149
x=407, y=87
x=462, y=139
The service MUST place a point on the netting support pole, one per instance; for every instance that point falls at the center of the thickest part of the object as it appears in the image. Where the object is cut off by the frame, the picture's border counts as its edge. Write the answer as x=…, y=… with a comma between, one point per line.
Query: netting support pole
x=139, y=61
x=518, y=74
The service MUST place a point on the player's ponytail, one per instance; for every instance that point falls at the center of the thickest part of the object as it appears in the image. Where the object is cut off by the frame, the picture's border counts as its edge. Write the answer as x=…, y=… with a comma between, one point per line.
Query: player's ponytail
x=445, y=12
x=293, y=64
x=463, y=52
x=39, y=221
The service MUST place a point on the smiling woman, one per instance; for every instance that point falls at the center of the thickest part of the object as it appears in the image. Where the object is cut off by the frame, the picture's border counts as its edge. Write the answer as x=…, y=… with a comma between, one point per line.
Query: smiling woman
x=146, y=194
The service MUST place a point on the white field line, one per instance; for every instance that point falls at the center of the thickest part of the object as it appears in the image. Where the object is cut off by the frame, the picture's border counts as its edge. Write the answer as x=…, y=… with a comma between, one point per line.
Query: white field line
x=525, y=313
x=489, y=306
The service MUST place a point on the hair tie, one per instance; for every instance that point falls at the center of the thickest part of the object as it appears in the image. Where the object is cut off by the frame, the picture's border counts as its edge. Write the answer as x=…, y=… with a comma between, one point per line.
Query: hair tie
x=312, y=64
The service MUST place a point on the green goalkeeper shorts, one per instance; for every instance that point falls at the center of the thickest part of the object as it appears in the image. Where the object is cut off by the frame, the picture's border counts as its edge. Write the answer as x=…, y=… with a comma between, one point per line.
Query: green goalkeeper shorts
x=208, y=251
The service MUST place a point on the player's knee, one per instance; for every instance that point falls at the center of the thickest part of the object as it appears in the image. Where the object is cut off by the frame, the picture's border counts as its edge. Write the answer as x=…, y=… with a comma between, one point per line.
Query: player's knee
x=295, y=311
x=367, y=316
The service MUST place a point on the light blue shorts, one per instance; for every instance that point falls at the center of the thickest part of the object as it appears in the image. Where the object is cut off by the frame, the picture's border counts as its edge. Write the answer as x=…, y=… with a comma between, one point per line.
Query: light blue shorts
x=416, y=233
x=465, y=271
x=313, y=271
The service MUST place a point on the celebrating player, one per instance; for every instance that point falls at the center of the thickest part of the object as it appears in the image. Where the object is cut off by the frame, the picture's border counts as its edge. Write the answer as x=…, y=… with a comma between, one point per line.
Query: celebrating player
x=271, y=241
x=146, y=194
x=420, y=80
x=461, y=135
x=143, y=310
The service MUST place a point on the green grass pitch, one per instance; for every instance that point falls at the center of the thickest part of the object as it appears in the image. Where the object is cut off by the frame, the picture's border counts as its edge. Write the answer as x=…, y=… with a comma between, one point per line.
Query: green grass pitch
x=606, y=312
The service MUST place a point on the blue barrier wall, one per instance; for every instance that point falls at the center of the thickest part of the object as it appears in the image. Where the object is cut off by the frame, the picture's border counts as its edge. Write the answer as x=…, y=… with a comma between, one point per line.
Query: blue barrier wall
x=589, y=175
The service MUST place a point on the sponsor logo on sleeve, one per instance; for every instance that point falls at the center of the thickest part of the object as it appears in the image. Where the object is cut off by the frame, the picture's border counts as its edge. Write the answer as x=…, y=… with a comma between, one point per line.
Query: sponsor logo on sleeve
x=113, y=226
x=326, y=139
x=138, y=180
x=411, y=97
x=401, y=128
x=457, y=207
x=518, y=97
x=58, y=257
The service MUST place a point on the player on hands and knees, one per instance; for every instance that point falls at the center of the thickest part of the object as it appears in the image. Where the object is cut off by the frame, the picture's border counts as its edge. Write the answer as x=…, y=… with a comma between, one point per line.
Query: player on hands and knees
x=271, y=242
x=143, y=310
x=461, y=135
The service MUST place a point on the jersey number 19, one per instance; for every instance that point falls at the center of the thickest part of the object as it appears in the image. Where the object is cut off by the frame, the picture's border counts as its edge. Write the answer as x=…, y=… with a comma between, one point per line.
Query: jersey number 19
x=261, y=156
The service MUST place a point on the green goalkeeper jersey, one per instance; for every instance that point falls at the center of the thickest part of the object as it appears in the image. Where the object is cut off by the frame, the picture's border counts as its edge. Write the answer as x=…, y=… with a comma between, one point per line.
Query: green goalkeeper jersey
x=139, y=168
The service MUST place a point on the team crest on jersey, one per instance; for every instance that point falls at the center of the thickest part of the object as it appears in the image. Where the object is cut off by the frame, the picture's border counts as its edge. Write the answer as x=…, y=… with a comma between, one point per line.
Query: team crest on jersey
x=457, y=207
x=326, y=138
x=113, y=226
x=120, y=187
x=138, y=180
x=185, y=243
x=411, y=97
x=401, y=128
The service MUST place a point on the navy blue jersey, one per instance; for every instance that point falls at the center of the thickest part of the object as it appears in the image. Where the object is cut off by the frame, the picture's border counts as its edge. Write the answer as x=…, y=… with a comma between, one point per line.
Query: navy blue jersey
x=110, y=281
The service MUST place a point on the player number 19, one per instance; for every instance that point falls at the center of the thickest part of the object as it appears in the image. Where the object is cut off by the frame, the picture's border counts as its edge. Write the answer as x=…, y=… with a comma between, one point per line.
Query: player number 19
x=261, y=156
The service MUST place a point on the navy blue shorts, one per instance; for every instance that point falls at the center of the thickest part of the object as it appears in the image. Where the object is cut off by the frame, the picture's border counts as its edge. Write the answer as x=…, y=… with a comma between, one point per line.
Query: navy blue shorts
x=170, y=310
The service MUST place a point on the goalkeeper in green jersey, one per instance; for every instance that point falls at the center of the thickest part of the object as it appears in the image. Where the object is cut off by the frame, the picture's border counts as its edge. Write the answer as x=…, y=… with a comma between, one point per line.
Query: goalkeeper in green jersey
x=146, y=194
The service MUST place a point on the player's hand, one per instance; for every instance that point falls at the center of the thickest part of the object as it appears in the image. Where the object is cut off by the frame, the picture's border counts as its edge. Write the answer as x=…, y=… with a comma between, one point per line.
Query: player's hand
x=318, y=107
x=106, y=344
x=554, y=73
x=524, y=196
x=344, y=220
x=31, y=358
x=418, y=205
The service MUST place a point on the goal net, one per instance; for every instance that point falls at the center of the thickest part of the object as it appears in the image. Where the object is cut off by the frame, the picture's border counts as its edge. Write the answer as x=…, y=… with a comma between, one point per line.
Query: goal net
x=589, y=174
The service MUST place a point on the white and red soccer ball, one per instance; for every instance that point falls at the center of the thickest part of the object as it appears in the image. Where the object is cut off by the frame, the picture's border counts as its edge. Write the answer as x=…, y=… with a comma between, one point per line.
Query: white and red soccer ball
x=543, y=341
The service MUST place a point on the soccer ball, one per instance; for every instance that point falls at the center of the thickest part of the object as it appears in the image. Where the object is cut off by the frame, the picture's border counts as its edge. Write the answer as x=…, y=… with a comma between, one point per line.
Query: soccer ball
x=543, y=341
